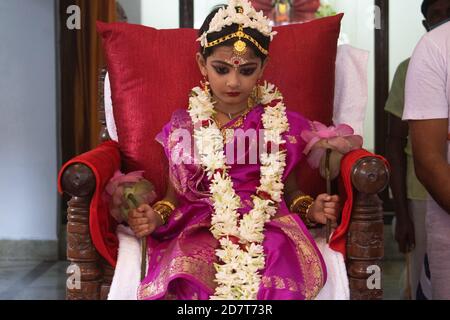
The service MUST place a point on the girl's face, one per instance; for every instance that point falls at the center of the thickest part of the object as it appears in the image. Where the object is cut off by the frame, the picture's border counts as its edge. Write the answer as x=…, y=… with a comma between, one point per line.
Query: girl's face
x=231, y=86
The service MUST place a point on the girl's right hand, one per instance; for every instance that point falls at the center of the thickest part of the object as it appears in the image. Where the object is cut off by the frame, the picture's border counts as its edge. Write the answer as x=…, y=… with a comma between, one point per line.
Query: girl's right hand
x=144, y=220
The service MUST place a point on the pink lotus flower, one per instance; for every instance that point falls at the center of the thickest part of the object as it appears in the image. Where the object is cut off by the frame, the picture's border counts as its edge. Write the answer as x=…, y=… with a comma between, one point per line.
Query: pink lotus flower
x=321, y=137
x=128, y=191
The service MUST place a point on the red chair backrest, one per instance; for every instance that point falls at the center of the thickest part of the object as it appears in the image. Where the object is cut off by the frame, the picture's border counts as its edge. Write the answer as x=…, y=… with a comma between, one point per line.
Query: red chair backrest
x=152, y=72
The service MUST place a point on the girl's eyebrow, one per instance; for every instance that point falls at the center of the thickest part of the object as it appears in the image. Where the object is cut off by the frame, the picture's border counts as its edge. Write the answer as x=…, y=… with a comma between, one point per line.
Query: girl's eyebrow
x=229, y=65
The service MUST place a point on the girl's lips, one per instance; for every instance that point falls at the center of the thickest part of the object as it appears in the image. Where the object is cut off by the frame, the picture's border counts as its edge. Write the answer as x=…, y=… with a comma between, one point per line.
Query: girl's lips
x=233, y=94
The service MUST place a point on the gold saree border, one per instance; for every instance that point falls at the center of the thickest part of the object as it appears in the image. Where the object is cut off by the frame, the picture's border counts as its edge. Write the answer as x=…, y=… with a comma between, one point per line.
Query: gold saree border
x=308, y=259
x=197, y=264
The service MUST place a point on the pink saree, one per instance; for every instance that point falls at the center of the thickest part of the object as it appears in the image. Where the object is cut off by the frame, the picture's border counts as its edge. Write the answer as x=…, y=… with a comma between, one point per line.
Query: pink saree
x=181, y=253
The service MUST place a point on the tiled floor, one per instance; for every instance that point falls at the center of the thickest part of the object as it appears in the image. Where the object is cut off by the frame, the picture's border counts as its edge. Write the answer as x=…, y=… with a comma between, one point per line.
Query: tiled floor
x=37, y=280
x=46, y=280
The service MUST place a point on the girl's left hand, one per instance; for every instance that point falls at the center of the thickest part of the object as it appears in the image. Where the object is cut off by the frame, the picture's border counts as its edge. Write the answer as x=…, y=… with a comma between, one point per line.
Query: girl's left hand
x=325, y=207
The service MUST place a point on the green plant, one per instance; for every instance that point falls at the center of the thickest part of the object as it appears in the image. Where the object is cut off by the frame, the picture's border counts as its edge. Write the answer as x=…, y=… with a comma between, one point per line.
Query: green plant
x=325, y=10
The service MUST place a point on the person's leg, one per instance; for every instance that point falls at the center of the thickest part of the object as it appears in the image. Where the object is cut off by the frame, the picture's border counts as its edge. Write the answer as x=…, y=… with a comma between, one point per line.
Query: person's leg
x=438, y=250
x=403, y=281
x=417, y=209
x=424, y=288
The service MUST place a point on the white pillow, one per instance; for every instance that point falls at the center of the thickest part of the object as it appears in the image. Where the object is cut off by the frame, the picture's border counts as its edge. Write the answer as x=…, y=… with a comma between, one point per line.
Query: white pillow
x=351, y=87
x=110, y=123
x=350, y=93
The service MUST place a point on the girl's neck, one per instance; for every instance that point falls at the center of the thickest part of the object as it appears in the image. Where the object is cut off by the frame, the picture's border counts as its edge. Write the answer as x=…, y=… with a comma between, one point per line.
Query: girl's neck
x=229, y=114
x=230, y=110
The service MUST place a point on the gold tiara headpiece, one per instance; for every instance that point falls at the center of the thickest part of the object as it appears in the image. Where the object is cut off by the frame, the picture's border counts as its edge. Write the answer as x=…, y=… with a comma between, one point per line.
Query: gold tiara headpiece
x=239, y=12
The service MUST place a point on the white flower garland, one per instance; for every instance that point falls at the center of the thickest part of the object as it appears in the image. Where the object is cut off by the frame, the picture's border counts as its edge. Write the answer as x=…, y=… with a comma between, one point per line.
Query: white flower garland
x=241, y=251
x=249, y=18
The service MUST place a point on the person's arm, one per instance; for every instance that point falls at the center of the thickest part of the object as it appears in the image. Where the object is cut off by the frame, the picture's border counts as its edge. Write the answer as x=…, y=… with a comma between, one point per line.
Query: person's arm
x=291, y=188
x=429, y=142
x=395, y=154
x=171, y=194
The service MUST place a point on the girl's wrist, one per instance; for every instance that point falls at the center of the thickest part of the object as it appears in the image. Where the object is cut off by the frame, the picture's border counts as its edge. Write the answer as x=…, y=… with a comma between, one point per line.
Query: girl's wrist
x=159, y=217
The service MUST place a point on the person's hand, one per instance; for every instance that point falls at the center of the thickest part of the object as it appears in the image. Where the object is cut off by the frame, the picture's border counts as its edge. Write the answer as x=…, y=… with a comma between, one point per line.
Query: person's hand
x=144, y=220
x=404, y=235
x=325, y=207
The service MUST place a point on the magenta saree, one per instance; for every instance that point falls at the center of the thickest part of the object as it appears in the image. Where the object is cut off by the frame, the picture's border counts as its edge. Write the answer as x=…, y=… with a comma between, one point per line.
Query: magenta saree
x=181, y=253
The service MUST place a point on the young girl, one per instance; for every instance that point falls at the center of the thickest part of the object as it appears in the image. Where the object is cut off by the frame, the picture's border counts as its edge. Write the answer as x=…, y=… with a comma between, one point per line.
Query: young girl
x=230, y=227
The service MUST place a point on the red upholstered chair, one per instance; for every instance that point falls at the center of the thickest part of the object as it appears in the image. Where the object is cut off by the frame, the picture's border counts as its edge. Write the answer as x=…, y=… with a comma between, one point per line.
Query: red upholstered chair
x=151, y=73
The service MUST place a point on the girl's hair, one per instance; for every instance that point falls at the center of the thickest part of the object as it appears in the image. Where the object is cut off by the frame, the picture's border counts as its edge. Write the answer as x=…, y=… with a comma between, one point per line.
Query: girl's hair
x=255, y=34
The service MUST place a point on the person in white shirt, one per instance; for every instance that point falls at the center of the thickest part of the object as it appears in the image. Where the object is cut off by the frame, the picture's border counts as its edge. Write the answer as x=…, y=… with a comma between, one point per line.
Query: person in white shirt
x=427, y=109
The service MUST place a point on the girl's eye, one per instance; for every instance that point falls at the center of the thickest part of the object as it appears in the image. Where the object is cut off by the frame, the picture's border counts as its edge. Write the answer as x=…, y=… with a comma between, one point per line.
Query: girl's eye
x=221, y=70
x=247, y=71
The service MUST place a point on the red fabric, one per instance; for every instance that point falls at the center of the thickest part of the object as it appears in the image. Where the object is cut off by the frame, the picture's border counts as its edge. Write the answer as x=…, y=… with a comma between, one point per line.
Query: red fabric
x=338, y=241
x=103, y=161
x=152, y=71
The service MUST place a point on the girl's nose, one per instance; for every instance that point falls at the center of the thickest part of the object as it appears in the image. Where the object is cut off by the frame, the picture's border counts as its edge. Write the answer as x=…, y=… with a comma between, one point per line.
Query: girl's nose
x=233, y=80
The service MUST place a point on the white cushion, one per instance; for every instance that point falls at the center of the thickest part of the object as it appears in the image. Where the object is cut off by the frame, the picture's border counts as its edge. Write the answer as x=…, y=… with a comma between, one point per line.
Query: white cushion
x=110, y=123
x=351, y=87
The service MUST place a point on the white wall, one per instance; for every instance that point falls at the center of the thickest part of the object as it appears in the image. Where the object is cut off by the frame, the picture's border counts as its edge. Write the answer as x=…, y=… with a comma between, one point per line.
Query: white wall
x=405, y=31
x=28, y=135
x=160, y=14
x=202, y=9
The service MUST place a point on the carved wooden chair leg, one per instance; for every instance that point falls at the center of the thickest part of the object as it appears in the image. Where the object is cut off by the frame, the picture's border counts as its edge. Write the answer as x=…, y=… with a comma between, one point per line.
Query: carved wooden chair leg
x=84, y=281
x=365, y=248
x=85, y=272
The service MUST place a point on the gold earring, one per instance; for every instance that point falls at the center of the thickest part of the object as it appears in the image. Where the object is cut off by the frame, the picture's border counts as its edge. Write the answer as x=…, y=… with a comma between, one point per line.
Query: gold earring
x=205, y=86
x=256, y=93
x=252, y=98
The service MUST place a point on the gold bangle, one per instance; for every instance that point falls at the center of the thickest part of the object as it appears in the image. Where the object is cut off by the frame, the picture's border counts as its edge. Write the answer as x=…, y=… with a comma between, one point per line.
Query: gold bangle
x=166, y=203
x=164, y=209
x=163, y=213
x=301, y=205
x=303, y=200
x=309, y=207
x=160, y=215
x=306, y=220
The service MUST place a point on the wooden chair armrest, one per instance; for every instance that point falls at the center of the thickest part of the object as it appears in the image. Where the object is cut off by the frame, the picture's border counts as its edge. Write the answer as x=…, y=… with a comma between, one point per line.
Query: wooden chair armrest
x=370, y=175
x=78, y=180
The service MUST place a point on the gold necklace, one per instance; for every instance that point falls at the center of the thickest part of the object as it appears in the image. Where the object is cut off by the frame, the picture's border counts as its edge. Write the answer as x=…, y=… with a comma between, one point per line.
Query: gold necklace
x=236, y=124
x=230, y=115
x=251, y=101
